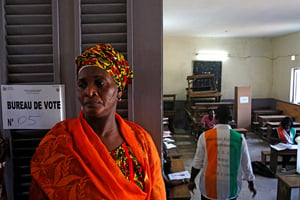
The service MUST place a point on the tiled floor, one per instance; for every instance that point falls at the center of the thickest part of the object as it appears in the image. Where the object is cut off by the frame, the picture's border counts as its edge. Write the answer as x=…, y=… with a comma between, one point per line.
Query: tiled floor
x=266, y=187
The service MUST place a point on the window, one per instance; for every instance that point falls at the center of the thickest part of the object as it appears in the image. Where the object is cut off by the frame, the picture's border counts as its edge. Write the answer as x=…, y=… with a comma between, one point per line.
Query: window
x=295, y=86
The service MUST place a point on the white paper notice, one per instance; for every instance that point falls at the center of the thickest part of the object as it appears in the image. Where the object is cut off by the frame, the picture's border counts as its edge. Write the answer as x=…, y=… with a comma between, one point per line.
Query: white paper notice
x=32, y=106
x=244, y=99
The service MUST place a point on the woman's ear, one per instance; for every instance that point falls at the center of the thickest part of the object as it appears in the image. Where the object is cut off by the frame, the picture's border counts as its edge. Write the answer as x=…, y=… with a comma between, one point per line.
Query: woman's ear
x=120, y=92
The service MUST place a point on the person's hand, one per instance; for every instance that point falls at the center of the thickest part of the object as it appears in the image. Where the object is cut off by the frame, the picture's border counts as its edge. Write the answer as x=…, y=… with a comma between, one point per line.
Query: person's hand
x=251, y=188
x=192, y=186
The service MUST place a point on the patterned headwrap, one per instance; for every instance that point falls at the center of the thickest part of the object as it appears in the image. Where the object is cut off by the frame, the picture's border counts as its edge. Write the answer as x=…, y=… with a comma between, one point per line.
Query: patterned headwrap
x=108, y=59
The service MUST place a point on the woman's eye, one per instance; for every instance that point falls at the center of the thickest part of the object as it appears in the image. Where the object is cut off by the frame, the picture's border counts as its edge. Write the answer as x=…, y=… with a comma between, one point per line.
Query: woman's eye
x=99, y=83
x=82, y=85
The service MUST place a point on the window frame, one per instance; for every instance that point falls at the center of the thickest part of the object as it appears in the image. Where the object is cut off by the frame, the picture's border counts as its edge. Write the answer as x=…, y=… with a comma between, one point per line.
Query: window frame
x=295, y=85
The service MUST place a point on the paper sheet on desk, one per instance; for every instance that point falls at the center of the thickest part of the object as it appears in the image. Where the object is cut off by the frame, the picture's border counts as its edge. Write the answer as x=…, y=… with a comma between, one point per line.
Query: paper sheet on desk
x=282, y=146
x=179, y=175
x=169, y=146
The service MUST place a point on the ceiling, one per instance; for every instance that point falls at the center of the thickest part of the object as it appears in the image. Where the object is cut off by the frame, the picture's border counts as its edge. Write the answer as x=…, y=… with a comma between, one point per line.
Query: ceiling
x=230, y=18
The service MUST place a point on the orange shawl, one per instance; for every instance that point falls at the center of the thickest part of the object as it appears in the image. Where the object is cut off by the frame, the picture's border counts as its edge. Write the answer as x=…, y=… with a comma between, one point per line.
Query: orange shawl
x=71, y=162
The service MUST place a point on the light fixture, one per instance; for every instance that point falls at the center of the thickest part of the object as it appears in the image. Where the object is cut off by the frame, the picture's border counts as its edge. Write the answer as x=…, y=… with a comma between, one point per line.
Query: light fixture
x=212, y=55
x=293, y=57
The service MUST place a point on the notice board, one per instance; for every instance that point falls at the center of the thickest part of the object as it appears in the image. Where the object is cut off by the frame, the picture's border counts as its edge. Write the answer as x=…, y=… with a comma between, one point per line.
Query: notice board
x=32, y=106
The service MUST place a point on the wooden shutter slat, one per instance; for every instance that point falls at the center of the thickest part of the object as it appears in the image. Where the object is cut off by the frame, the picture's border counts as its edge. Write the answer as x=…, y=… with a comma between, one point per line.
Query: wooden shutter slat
x=105, y=28
x=29, y=49
x=104, y=18
x=36, y=58
x=28, y=19
x=29, y=29
x=29, y=39
x=103, y=8
x=17, y=2
x=28, y=9
x=30, y=68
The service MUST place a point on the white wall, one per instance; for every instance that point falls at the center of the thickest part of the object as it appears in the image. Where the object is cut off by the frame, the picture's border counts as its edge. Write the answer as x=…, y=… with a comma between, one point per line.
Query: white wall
x=249, y=64
x=283, y=48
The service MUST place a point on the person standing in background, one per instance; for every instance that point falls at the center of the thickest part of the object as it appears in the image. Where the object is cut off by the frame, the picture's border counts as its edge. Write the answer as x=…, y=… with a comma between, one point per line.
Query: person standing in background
x=223, y=160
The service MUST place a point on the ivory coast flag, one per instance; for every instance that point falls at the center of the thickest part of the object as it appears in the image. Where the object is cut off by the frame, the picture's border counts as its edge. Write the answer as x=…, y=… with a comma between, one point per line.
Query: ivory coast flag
x=223, y=157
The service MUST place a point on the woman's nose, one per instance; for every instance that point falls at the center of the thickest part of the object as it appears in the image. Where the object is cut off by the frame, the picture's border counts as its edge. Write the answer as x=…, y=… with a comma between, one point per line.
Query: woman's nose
x=91, y=91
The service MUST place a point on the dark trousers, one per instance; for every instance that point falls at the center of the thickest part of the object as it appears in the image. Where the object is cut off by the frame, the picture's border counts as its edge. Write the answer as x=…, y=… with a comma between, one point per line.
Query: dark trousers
x=204, y=198
x=285, y=160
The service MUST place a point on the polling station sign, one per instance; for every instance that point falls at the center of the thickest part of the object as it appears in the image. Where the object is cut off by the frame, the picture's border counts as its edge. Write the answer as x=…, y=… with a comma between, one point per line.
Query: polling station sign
x=32, y=106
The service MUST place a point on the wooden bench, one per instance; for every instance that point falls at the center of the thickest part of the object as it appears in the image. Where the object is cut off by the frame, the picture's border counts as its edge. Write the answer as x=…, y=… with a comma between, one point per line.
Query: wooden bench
x=274, y=157
x=179, y=192
x=265, y=157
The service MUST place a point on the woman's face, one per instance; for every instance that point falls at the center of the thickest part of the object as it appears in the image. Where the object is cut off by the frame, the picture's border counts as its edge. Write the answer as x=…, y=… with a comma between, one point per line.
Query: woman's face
x=288, y=126
x=97, y=92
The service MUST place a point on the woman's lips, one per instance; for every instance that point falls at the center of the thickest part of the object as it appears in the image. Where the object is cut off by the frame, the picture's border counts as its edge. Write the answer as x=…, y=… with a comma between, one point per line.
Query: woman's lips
x=92, y=103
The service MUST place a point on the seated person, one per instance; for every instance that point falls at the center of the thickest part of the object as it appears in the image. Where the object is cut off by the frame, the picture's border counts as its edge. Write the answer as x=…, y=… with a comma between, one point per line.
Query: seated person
x=285, y=133
x=208, y=121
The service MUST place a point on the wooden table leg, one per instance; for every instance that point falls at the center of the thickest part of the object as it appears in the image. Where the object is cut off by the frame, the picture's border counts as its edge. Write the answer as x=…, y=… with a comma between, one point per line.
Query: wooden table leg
x=283, y=191
x=273, y=161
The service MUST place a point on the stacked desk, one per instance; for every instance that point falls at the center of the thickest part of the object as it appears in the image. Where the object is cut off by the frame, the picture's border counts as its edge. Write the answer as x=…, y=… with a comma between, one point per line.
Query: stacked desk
x=263, y=119
x=256, y=113
x=202, y=86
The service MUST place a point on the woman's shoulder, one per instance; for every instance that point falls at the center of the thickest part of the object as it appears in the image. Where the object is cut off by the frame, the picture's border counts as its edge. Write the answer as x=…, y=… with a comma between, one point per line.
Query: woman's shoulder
x=66, y=124
x=60, y=128
x=136, y=127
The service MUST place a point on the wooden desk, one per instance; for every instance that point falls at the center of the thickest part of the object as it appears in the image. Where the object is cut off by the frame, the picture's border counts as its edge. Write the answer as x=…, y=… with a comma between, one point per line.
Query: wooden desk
x=177, y=165
x=285, y=185
x=263, y=119
x=276, y=124
x=274, y=157
x=265, y=112
x=173, y=153
x=211, y=105
x=179, y=192
x=241, y=130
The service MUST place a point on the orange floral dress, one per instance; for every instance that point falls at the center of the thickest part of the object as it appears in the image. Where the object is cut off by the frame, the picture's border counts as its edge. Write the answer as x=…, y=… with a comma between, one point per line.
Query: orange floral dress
x=71, y=162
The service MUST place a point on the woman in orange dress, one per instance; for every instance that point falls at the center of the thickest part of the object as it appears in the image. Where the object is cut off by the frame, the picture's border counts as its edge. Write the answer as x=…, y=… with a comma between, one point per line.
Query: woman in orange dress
x=98, y=155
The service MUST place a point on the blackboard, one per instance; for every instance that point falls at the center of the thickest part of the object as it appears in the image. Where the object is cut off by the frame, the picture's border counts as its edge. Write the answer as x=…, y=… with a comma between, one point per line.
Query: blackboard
x=208, y=67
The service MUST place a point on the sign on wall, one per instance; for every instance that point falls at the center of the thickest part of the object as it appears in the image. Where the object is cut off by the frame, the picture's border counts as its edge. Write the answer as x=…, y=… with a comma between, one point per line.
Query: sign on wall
x=32, y=106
